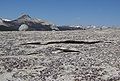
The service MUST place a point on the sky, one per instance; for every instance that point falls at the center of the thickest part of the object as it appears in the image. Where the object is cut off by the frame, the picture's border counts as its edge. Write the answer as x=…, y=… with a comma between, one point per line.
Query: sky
x=65, y=12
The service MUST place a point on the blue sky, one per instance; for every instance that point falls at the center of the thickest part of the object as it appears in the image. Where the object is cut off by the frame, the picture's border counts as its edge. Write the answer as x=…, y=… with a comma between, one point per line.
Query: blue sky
x=65, y=12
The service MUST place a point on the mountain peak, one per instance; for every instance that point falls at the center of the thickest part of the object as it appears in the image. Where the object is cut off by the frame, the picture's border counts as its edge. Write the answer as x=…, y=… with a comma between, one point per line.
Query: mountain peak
x=24, y=16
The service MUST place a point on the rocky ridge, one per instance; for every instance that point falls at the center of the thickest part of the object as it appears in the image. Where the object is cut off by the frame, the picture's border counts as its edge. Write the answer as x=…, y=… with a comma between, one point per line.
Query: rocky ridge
x=34, y=24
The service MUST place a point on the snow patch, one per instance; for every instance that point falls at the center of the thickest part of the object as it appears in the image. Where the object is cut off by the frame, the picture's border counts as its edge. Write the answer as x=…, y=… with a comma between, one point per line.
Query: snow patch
x=6, y=20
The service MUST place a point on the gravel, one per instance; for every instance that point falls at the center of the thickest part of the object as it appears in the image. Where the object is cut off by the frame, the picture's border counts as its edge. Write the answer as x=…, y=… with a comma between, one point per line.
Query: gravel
x=99, y=61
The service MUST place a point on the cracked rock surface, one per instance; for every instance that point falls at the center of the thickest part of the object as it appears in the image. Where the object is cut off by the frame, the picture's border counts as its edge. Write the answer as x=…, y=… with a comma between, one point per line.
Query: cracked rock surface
x=89, y=55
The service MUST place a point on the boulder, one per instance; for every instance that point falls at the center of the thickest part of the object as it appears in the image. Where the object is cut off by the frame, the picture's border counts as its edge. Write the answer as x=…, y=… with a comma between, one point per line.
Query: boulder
x=23, y=27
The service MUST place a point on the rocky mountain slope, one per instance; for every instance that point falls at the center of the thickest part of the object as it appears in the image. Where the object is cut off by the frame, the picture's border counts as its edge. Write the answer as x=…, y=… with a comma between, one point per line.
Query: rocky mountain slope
x=33, y=24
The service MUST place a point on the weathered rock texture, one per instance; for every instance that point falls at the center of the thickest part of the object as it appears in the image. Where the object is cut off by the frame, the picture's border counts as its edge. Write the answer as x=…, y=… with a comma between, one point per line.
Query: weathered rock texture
x=85, y=55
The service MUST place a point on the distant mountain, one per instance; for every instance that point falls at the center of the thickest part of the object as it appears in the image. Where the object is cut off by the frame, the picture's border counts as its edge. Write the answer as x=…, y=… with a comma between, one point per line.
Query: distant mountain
x=27, y=23
x=33, y=24
x=65, y=28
